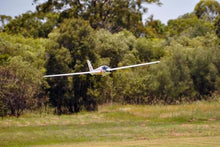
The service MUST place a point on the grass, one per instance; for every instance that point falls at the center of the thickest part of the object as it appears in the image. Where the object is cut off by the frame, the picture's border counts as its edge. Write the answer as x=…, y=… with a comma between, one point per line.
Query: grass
x=196, y=124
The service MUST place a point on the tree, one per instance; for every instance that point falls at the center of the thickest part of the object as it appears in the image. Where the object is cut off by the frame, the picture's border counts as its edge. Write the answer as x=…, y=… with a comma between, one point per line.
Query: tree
x=123, y=48
x=108, y=14
x=170, y=80
x=114, y=15
x=19, y=82
x=26, y=24
x=189, y=70
x=3, y=108
x=207, y=9
x=217, y=26
x=31, y=24
x=188, y=25
x=115, y=47
x=21, y=72
x=60, y=88
x=75, y=36
x=31, y=50
x=204, y=66
x=149, y=50
x=154, y=28
x=4, y=19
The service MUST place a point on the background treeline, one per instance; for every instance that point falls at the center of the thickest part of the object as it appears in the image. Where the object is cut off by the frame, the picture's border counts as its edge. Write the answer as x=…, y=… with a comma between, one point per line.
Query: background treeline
x=61, y=35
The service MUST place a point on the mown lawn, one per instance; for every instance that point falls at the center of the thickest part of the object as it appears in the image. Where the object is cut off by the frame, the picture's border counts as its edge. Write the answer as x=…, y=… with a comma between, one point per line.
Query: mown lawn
x=196, y=124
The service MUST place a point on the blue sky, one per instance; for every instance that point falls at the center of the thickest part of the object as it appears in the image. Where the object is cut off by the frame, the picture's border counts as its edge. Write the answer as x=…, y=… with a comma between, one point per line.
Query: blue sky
x=15, y=7
x=170, y=9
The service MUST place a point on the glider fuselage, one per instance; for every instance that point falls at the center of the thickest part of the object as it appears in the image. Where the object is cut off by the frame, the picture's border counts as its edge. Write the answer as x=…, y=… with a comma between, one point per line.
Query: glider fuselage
x=102, y=70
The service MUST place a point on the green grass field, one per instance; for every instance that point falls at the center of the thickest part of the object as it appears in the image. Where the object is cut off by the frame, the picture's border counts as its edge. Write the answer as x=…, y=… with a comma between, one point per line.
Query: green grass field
x=196, y=124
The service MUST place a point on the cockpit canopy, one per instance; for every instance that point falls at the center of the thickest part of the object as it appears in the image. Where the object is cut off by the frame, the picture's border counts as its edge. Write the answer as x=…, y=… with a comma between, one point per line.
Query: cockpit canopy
x=104, y=67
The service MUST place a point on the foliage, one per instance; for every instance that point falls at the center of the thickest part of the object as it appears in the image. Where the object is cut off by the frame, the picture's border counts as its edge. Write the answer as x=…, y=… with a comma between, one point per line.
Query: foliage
x=125, y=49
x=217, y=26
x=111, y=15
x=115, y=47
x=4, y=19
x=73, y=44
x=21, y=71
x=2, y=107
x=19, y=82
x=154, y=28
x=149, y=50
x=207, y=9
x=32, y=24
x=60, y=89
x=189, y=72
x=189, y=25
x=171, y=80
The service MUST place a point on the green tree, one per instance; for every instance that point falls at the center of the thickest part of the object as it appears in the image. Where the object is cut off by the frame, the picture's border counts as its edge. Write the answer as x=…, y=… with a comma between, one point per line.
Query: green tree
x=26, y=24
x=1, y=108
x=31, y=50
x=108, y=14
x=58, y=62
x=204, y=66
x=115, y=47
x=4, y=58
x=126, y=86
x=189, y=71
x=154, y=28
x=4, y=19
x=76, y=36
x=171, y=81
x=22, y=68
x=188, y=25
x=19, y=83
x=149, y=50
x=31, y=24
x=207, y=9
x=217, y=26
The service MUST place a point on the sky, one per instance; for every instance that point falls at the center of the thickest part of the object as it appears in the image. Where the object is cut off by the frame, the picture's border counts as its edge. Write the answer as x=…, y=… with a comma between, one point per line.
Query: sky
x=171, y=9
x=15, y=7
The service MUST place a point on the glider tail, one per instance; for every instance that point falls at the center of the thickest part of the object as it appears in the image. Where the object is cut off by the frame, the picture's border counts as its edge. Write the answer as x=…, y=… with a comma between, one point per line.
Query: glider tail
x=89, y=65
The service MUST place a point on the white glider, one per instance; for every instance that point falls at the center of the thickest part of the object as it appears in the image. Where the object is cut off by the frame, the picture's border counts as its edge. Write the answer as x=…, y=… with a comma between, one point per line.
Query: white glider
x=102, y=70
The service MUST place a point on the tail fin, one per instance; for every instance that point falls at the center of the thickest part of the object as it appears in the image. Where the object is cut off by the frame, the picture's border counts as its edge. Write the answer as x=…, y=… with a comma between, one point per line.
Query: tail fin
x=89, y=65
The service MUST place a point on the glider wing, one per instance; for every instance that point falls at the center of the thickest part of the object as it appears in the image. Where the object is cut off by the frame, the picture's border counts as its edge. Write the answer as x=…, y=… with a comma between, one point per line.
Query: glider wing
x=124, y=67
x=71, y=74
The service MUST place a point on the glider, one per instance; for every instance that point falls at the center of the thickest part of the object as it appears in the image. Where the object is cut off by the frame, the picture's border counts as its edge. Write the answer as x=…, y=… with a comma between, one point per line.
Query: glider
x=102, y=70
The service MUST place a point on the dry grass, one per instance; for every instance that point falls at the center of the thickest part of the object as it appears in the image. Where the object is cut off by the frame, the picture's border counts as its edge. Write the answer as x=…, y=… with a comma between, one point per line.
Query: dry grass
x=175, y=142
x=196, y=124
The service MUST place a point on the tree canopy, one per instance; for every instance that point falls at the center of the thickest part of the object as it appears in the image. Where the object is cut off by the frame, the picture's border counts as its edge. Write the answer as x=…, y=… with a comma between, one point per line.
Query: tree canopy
x=207, y=9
